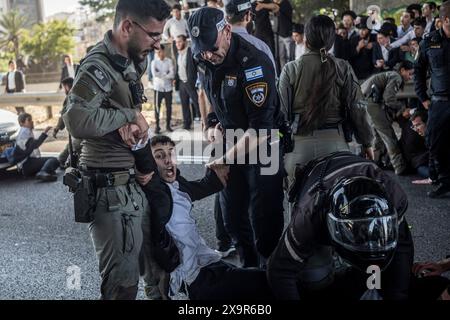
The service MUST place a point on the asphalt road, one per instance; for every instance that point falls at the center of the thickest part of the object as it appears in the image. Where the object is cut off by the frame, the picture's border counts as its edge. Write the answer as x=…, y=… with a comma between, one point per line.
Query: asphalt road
x=40, y=243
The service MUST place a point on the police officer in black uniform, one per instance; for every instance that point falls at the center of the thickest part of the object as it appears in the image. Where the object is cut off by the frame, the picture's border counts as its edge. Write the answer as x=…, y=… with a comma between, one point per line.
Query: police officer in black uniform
x=240, y=84
x=435, y=56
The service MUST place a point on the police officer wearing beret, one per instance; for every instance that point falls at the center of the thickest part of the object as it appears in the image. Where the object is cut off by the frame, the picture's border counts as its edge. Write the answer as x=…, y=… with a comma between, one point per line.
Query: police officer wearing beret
x=435, y=57
x=240, y=83
x=107, y=95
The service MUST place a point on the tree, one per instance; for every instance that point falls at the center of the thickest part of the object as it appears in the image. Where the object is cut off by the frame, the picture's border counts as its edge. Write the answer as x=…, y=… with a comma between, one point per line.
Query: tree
x=47, y=42
x=12, y=26
x=105, y=8
x=304, y=9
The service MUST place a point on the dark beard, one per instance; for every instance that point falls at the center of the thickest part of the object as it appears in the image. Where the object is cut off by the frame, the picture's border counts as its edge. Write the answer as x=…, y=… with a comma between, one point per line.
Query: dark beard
x=134, y=51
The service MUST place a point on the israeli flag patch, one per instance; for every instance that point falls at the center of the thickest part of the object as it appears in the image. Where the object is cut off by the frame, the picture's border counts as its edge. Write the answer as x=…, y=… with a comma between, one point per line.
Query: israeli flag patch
x=254, y=73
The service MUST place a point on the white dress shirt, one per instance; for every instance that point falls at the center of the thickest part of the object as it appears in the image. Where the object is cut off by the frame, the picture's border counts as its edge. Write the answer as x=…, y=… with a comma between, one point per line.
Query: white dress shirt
x=163, y=74
x=385, y=53
x=404, y=40
x=182, y=65
x=299, y=50
x=12, y=80
x=70, y=70
x=194, y=253
x=22, y=137
x=401, y=32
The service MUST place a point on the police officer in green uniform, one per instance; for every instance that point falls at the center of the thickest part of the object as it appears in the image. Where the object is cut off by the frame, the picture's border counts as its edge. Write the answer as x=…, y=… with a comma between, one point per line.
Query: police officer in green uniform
x=435, y=58
x=107, y=96
x=240, y=84
x=380, y=90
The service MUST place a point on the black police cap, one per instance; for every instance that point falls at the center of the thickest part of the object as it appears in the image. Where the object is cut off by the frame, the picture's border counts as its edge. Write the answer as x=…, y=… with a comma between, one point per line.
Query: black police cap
x=363, y=23
x=237, y=6
x=204, y=27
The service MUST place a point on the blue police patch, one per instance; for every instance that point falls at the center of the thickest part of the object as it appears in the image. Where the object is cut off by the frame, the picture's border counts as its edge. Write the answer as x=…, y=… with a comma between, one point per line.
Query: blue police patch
x=254, y=73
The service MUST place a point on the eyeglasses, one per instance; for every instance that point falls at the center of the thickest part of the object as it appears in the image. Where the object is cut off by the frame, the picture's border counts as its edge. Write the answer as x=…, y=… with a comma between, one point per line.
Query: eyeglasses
x=152, y=35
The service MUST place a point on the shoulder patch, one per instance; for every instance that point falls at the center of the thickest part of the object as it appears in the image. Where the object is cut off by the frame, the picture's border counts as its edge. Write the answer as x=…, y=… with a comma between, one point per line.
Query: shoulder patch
x=254, y=73
x=257, y=93
x=100, y=77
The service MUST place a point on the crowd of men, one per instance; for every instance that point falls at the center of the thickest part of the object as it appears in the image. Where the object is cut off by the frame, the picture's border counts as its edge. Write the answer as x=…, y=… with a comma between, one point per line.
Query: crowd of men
x=347, y=214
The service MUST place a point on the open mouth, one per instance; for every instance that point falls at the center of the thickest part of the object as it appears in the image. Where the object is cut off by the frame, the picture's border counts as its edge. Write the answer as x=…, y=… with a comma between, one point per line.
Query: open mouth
x=170, y=172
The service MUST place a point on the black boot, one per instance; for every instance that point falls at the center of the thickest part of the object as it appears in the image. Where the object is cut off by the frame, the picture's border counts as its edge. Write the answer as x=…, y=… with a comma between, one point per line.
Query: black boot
x=440, y=190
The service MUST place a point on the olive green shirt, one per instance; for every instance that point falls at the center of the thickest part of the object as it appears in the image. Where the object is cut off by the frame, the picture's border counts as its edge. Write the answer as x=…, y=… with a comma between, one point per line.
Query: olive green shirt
x=389, y=84
x=101, y=102
x=296, y=90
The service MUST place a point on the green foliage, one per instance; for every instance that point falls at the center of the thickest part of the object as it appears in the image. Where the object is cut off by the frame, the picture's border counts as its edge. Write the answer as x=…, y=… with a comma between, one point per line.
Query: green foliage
x=12, y=26
x=304, y=9
x=105, y=8
x=47, y=42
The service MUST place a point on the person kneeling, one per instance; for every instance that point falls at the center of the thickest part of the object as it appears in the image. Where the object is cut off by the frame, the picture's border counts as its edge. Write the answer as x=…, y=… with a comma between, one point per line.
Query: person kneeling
x=195, y=269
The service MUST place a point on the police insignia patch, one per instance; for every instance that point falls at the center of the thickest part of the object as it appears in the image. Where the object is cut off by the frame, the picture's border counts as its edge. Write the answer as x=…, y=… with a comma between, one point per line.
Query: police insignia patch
x=195, y=32
x=257, y=93
x=230, y=81
x=98, y=75
x=254, y=73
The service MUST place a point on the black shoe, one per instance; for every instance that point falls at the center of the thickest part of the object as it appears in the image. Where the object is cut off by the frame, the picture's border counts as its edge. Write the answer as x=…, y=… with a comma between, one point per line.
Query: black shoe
x=157, y=130
x=440, y=190
x=46, y=177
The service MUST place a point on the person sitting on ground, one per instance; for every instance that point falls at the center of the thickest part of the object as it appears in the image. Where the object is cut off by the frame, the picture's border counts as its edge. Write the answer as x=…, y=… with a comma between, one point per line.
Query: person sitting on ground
x=180, y=250
x=412, y=143
x=67, y=84
x=27, y=153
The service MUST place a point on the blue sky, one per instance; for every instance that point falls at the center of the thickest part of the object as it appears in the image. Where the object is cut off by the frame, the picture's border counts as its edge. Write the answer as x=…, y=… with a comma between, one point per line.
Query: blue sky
x=54, y=6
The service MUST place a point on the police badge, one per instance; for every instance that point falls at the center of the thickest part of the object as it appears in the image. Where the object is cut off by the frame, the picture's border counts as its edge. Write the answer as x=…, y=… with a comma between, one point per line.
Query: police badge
x=257, y=93
x=195, y=32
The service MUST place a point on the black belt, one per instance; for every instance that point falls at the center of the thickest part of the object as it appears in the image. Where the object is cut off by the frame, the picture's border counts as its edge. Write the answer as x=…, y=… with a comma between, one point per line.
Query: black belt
x=103, y=178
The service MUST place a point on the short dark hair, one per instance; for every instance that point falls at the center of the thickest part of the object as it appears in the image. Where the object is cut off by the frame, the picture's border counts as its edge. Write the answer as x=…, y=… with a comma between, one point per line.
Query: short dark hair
x=415, y=6
x=11, y=61
x=431, y=4
x=161, y=47
x=407, y=65
x=420, y=113
x=411, y=13
x=233, y=17
x=176, y=7
x=24, y=117
x=420, y=22
x=390, y=20
x=67, y=82
x=183, y=37
x=161, y=139
x=141, y=10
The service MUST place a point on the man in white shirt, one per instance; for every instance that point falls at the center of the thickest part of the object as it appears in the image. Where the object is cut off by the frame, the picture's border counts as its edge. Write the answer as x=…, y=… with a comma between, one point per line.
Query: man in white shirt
x=15, y=81
x=174, y=27
x=187, y=75
x=428, y=12
x=195, y=268
x=418, y=31
x=163, y=73
x=298, y=45
x=406, y=24
x=27, y=151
